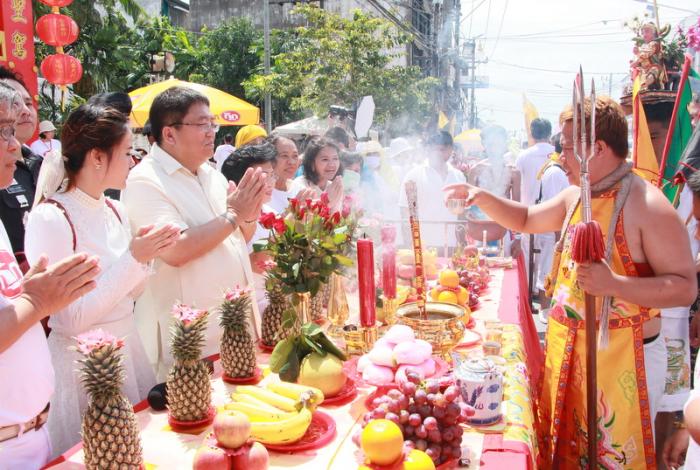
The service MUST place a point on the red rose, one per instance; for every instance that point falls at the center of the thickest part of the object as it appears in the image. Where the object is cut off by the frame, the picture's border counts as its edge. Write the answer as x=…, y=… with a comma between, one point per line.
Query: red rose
x=280, y=226
x=309, y=202
x=325, y=212
x=302, y=213
x=294, y=203
x=267, y=219
x=324, y=198
x=335, y=218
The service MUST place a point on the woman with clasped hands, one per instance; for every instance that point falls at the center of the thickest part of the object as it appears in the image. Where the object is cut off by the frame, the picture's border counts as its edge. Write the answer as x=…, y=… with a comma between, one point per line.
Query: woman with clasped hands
x=73, y=215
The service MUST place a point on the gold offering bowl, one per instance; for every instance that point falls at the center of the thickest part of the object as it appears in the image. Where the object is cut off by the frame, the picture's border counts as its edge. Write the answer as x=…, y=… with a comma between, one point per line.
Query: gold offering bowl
x=443, y=329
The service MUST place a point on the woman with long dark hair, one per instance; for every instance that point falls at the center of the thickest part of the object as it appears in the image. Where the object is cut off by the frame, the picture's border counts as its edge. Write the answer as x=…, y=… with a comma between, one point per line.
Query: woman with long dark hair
x=322, y=171
x=71, y=214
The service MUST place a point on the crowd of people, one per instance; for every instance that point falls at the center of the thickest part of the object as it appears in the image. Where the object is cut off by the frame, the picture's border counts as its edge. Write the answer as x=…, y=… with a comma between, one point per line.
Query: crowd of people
x=180, y=223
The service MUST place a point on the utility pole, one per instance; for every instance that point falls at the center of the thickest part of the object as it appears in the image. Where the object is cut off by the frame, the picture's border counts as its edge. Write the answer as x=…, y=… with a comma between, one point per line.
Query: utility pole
x=472, y=100
x=266, y=43
x=456, y=61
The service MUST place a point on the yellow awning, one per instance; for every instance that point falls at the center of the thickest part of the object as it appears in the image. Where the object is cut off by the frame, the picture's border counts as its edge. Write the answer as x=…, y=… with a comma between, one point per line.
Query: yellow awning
x=229, y=110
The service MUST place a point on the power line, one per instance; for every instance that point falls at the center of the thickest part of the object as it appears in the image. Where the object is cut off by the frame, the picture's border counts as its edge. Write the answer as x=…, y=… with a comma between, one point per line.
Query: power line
x=500, y=28
x=472, y=11
x=538, y=69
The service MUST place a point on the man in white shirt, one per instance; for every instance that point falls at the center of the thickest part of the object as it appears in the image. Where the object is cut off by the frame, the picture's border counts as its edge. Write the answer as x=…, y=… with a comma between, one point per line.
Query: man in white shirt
x=26, y=374
x=529, y=163
x=46, y=142
x=430, y=178
x=552, y=180
x=223, y=151
x=176, y=185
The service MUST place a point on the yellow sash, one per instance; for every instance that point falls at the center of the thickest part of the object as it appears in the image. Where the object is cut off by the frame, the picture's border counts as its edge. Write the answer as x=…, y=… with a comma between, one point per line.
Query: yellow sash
x=625, y=439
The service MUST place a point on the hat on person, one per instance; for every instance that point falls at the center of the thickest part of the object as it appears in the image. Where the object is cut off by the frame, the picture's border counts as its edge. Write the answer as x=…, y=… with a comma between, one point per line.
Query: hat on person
x=370, y=147
x=248, y=133
x=399, y=146
x=46, y=126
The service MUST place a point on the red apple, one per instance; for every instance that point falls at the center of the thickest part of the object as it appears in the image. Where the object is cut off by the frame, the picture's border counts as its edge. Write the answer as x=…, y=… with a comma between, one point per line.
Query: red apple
x=210, y=457
x=231, y=428
x=254, y=458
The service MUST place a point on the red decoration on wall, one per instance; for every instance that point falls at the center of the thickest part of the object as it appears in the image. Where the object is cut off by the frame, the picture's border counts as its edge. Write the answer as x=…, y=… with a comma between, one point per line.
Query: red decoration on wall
x=57, y=3
x=57, y=30
x=61, y=69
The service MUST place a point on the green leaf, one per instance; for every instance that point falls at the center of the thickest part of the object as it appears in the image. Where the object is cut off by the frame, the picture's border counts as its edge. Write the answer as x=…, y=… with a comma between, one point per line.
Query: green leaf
x=330, y=346
x=280, y=355
x=290, y=371
x=314, y=347
x=344, y=260
x=311, y=329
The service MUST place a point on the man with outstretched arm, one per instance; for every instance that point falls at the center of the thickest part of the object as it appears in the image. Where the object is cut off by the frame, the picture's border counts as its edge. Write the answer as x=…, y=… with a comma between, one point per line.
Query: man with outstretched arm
x=648, y=266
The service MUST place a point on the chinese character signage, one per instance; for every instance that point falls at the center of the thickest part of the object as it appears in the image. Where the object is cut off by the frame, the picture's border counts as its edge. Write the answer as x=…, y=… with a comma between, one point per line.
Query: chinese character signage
x=17, y=41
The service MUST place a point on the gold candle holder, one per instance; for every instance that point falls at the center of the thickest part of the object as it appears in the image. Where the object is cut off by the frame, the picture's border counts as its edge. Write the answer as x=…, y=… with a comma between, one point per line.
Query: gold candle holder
x=389, y=309
x=359, y=339
x=338, y=310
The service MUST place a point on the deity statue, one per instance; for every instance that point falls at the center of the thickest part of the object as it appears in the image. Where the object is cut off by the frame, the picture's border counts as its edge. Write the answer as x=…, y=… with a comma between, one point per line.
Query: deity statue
x=649, y=62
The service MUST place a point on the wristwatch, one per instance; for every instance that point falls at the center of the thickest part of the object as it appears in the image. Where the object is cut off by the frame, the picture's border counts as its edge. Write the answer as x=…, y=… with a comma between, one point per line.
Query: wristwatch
x=232, y=218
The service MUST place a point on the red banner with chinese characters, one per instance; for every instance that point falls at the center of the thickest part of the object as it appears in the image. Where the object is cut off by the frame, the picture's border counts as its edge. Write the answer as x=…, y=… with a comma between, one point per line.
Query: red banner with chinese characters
x=17, y=41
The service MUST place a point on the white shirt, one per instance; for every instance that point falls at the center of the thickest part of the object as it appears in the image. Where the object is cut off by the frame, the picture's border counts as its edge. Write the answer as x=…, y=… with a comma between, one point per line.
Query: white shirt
x=221, y=153
x=26, y=374
x=41, y=148
x=280, y=199
x=158, y=191
x=529, y=163
x=553, y=182
x=431, y=202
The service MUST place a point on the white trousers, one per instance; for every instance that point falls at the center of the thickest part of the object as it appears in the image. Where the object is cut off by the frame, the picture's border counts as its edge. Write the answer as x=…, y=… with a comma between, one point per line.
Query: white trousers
x=655, y=363
x=30, y=451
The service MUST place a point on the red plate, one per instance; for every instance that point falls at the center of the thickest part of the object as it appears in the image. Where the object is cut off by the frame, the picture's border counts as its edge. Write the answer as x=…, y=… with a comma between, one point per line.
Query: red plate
x=185, y=426
x=257, y=377
x=441, y=368
x=264, y=347
x=347, y=393
x=471, y=323
x=321, y=431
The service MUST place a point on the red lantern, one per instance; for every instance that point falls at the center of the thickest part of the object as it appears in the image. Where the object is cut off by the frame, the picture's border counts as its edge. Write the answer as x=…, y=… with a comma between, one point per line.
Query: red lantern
x=57, y=30
x=61, y=69
x=57, y=3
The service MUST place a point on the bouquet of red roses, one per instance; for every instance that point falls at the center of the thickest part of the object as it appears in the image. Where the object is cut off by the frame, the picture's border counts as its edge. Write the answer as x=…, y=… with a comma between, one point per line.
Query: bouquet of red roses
x=308, y=243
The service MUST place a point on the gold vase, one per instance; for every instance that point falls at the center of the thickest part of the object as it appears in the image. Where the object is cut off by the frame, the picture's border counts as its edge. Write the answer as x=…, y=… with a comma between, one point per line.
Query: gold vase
x=338, y=310
x=302, y=305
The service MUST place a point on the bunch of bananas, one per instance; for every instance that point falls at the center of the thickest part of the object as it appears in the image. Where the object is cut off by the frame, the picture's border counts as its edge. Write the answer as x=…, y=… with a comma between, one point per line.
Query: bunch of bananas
x=280, y=413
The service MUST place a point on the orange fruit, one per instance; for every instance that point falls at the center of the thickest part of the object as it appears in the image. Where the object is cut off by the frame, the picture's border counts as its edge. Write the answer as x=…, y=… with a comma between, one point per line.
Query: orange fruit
x=434, y=294
x=418, y=460
x=382, y=442
x=449, y=278
x=447, y=296
x=462, y=296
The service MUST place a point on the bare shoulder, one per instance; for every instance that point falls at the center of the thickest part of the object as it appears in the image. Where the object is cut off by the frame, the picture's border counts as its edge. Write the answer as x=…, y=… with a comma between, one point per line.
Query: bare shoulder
x=647, y=203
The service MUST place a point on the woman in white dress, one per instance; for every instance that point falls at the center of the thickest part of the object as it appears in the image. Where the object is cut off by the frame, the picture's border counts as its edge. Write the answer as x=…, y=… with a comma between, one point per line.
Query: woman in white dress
x=73, y=216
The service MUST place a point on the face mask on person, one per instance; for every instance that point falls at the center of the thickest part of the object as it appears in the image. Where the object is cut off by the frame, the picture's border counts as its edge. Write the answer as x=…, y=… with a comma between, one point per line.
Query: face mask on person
x=373, y=162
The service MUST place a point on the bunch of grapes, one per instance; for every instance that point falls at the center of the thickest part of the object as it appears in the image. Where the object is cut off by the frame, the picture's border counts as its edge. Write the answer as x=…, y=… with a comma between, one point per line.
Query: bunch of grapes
x=427, y=414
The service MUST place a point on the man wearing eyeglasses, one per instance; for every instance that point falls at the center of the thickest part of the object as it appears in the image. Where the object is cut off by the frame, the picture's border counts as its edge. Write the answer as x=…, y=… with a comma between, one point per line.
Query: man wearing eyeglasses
x=176, y=185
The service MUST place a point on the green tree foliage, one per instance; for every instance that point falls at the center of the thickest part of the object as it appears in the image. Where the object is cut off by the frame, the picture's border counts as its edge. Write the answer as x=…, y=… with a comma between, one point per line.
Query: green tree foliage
x=117, y=41
x=333, y=60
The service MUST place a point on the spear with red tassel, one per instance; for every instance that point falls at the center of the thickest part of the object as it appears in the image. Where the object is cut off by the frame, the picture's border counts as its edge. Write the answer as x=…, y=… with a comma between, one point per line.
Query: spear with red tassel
x=587, y=247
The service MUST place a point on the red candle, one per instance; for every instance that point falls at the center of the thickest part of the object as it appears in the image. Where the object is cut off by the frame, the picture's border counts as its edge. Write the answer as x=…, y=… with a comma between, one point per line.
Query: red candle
x=365, y=275
x=389, y=261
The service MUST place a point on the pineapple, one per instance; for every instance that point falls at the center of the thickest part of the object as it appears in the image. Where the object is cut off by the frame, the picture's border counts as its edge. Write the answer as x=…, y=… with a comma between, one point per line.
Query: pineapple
x=318, y=303
x=271, y=327
x=188, y=385
x=109, y=428
x=237, y=347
